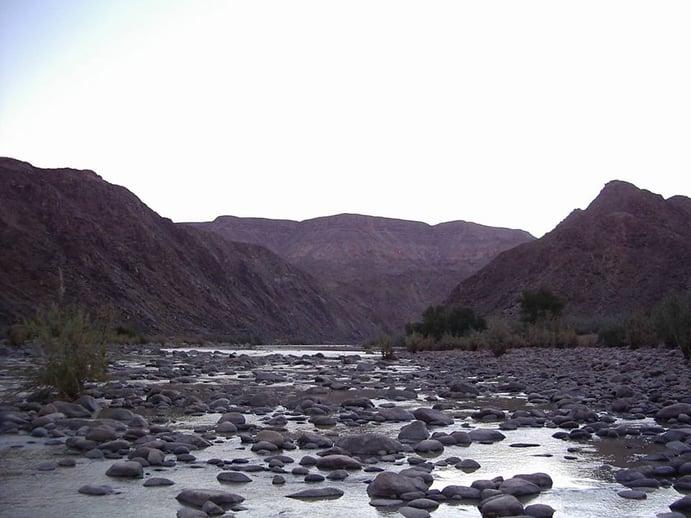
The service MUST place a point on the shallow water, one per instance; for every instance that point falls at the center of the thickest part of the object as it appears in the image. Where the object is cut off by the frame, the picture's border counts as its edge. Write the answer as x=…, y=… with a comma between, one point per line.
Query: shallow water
x=579, y=486
x=583, y=485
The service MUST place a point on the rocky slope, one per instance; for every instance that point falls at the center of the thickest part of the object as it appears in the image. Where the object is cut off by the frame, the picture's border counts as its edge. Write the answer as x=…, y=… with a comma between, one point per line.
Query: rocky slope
x=391, y=269
x=160, y=276
x=623, y=253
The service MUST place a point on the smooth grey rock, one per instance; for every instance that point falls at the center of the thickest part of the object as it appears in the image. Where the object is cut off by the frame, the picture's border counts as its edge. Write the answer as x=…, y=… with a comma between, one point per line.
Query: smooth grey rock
x=462, y=387
x=682, y=505
x=455, y=492
x=673, y=411
x=226, y=427
x=429, y=446
x=631, y=494
x=329, y=462
x=541, y=480
x=539, y=511
x=96, y=490
x=502, y=505
x=413, y=512
x=233, y=477
x=468, y=465
x=158, y=482
x=101, y=434
x=197, y=497
x=338, y=474
x=486, y=435
x=126, y=469
x=232, y=417
x=414, y=432
x=271, y=436
x=388, y=484
x=395, y=414
x=317, y=493
x=212, y=509
x=432, y=417
x=423, y=503
x=369, y=444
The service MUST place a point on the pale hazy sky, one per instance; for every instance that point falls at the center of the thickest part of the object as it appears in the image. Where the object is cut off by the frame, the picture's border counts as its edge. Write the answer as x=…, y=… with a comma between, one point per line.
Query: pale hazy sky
x=507, y=113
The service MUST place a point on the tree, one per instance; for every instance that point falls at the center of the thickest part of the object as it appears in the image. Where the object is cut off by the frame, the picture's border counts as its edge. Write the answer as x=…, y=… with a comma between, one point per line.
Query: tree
x=438, y=321
x=539, y=305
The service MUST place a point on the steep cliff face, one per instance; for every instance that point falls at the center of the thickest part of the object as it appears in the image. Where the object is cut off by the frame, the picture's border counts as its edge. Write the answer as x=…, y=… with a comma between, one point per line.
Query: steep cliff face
x=160, y=276
x=391, y=269
x=623, y=253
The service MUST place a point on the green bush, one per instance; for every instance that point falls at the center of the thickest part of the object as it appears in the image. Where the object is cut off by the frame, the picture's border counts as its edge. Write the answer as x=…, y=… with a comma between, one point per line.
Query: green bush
x=18, y=334
x=439, y=320
x=640, y=331
x=73, y=346
x=612, y=332
x=673, y=321
x=539, y=305
x=416, y=342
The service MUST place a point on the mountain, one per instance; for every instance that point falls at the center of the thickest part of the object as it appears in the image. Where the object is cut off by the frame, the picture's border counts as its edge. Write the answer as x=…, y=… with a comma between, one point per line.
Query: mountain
x=623, y=253
x=391, y=269
x=160, y=276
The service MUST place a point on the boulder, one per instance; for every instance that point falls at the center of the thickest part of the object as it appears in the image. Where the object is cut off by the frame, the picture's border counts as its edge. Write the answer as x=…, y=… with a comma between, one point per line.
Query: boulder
x=198, y=497
x=233, y=477
x=369, y=444
x=539, y=511
x=518, y=487
x=330, y=462
x=673, y=411
x=394, y=414
x=126, y=469
x=429, y=446
x=96, y=490
x=432, y=417
x=501, y=505
x=414, y=432
x=317, y=493
x=388, y=484
x=486, y=435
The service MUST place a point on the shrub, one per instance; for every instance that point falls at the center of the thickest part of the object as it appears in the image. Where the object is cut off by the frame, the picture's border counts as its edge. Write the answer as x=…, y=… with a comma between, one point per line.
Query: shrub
x=612, y=333
x=416, y=342
x=18, y=334
x=73, y=346
x=673, y=322
x=640, y=331
x=439, y=320
x=539, y=305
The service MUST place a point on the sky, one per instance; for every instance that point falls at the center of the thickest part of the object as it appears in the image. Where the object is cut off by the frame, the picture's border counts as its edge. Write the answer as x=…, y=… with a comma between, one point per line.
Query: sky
x=505, y=113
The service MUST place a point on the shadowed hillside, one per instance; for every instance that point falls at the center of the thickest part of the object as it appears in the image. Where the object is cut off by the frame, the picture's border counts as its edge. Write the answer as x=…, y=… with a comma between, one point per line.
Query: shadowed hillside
x=623, y=253
x=392, y=269
x=159, y=276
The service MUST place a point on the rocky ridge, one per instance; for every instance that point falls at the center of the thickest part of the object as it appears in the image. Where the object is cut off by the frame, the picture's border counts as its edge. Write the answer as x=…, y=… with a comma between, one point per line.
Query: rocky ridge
x=623, y=253
x=160, y=277
x=392, y=269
